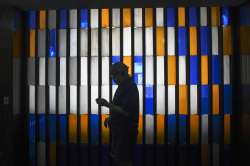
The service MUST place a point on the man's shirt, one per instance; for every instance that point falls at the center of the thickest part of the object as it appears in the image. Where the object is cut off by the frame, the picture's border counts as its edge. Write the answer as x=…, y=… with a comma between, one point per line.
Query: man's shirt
x=126, y=97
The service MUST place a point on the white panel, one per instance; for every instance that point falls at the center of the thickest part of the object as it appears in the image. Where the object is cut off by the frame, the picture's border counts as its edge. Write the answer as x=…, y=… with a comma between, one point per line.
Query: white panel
x=62, y=71
x=105, y=42
x=84, y=70
x=149, y=71
x=116, y=17
x=84, y=42
x=94, y=96
x=94, y=71
x=41, y=42
x=215, y=43
x=149, y=41
x=116, y=41
x=52, y=19
x=160, y=70
x=83, y=99
x=160, y=100
x=193, y=99
x=182, y=70
x=41, y=71
x=204, y=128
x=73, y=70
x=171, y=99
x=138, y=41
x=105, y=70
x=52, y=99
x=216, y=155
x=62, y=99
x=140, y=89
x=159, y=17
x=32, y=97
x=149, y=129
x=94, y=18
x=73, y=18
x=73, y=42
x=171, y=40
x=41, y=100
x=138, y=17
x=203, y=16
x=105, y=95
x=62, y=42
x=114, y=87
x=41, y=154
x=226, y=61
x=52, y=71
x=94, y=42
x=127, y=41
x=73, y=99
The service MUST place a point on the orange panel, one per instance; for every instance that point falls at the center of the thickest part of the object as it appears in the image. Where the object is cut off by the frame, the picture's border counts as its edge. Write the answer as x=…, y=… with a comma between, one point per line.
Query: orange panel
x=216, y=100
x=160, y=42
x=32, y=43
x=181, y=16
x=105, y=17
x=127, y=61
x=193, y=40
x=205, y=157
x=52, y=154
x=204, y=70
x=84, y=129
x=160, y=129
x=140, y=125
x=227, y=40
x=183, y=99
x=72, y=128
x=244, y=40
x=194, y=129
x=16, y=44
x=215, y=16
x=105, y=131
x=126, y=17
x=227, y=126
x=42, y=19
x=171, y=70
x=148, y=17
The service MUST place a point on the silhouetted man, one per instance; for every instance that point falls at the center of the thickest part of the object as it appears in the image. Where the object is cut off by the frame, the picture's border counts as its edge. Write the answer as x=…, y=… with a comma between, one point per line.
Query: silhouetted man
x=124, y=115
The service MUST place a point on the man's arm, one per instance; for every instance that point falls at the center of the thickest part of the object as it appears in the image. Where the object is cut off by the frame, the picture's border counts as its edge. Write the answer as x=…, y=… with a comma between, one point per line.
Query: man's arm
x=117, y=109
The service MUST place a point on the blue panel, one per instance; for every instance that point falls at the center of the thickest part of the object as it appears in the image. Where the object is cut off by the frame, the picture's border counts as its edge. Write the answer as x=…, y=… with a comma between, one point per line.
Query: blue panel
x=244, y=15
x=149, y=100
x=204, y=99
x=170, y=17
x=171, y=128
x=183, y=129
x=182, y=41
x=216, y=128
x=32, y=19
x=52, y=43
x=42, y=130
x=138, y=74
x=63, y=128
x=63, y=19
x=227, y=99
x=192, y=16
x=32, y=128
x=193, y=70
x=205, y=40
x=216, y=72
x=52, y=128
x=116, y=59
x=225, y=16
x=138, y=79
x=84, y=18
x=94, y=128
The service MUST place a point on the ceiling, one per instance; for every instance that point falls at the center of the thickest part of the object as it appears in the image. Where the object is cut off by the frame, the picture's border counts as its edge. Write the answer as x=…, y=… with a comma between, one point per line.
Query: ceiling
x=64, y=4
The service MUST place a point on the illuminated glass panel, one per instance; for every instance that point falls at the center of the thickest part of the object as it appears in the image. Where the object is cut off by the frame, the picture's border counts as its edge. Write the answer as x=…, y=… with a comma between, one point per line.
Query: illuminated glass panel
x=216, y=76
x=62, y=71
x=170, y=17
x=138, y=41
x=94, y=120
x=52, y=99
x=84, y=42
x=32, y=39
x=159, y=17
x=126, y=17
x=215, y=41
x=171, y=40
x=84, y=18
x=32, y=96
x=160, y=100
x=160, y=70
x=181, y=16
x=140, y=89
x=105, y=95
x=138, y=69
x=194, y=129
x=226, y=66
x=205, y=40
x=171, y=99
x=41, y=43
x=62, y=42
x=116, y=17
x=94, y=18
x=193, y=41
x=193, y=16
x=149, y=41
x=171, y=70
x=193, y=99
x=215, y=16
x=41, y=71
x=84, y=99
x=105, y=18
x=94, y=42
x=182, y=70
x=204, y=129
x=94, y=71
x=62, y=100
x=203, y=16
x=31, y=71
x=204, y=70
x=73, y=71
x=52, y=71
x=160, y=129
x=193, y=70
x=160, y=41
x=149, y=71
x=183, y=100
x=205, y=107
x=225, y=15
x=127, y=61
x=63, y=19
x=73, y=42
x=148, y=17
x=182, y=41
x=215, y=99
x=73, y=99
x=227, y=129
x=149, y=100
x=116, y=41
x=138, y=17
x=84, y=70
x=32, y=19
x=94, y=96
x=227, y=40
x=105, y=42
x=127, y=41
x=41, y=100
x=52, y=43
x=149, y=133
x=105, y=70
x=73, y=18
x=52, y=19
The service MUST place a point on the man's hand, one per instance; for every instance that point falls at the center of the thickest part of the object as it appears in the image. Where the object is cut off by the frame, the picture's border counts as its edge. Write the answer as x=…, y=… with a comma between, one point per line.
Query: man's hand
x=107, y=122
x=102, y=102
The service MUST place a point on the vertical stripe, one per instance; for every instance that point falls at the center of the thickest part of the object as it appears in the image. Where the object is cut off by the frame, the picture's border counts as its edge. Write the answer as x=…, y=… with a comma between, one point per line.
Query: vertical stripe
x=171, y=99
x=194, y=129
x=193, y=40
x=227, y=40
x=160, y=127
x=160, y=42
x=216, y=99
x=32, y=43
x=105, y=18
x=204, y=70
x=171, y=70
x=181, y=16
x=227, y=126
x=126, y=17
x=171, y=40
x=215, y=16
x=42, y=19
x=148, y=17
x=183, y=99
x=72, y=128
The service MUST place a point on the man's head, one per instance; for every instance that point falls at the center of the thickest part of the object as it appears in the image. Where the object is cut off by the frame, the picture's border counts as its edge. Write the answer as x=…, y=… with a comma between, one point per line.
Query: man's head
x=119, y=72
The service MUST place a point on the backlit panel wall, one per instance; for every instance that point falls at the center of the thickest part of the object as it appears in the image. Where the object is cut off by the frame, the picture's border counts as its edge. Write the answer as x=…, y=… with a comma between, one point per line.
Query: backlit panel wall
x=180, y=59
